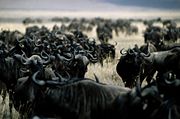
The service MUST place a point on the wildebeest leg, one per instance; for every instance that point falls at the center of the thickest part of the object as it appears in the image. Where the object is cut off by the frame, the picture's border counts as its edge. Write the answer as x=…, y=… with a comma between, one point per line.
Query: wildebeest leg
x=3, y=96
x=3, y=92
x=101, y=62
x=10, y=103
x=116, y=31
x=21, y=116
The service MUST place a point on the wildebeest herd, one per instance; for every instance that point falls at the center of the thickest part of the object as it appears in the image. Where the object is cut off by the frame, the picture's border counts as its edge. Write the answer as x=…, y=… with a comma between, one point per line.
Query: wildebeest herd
x=43, y=72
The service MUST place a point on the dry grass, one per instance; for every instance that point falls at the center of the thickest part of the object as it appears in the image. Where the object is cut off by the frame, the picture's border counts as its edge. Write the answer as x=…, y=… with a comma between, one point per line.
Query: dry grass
x=106, y=74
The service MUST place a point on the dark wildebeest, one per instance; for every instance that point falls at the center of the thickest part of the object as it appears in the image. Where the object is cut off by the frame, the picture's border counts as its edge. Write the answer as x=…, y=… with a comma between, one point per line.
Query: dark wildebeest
x=131, y=62
x=83, y=99
x=80, y=99
x=168, y=86
x=105, y=51
x=9, y=73
x=164, y=61
x=87, y=99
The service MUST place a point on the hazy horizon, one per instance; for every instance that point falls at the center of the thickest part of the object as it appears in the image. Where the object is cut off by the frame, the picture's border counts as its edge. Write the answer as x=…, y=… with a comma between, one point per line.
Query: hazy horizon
x=89, y=5
x=18, y=9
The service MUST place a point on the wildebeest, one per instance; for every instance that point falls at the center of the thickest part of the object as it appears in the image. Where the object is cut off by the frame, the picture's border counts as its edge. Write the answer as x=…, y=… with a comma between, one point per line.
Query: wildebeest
x=128, y=67
x=105, y=51
x=164, y=61
x=76, y=98
x=168, y=85
x=72, y=99
x=144, y=65
x=131, y=67
x=82, y=99
x=87, y=99
x=153, y=35
x=9, y=72
x=104, y=32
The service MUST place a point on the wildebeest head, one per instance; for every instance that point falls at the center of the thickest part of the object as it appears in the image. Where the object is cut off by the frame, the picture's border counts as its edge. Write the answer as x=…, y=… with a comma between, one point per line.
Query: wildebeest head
x=139, y=102
x=9, y=70
x=80, y=65
x=165, y=60
x=25, y=92
x=148, y=48
x=153, y=35
x=129, y=65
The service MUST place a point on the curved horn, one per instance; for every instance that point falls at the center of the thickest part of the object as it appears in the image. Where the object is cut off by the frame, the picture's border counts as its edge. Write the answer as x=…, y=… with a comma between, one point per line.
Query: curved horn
x=20, y=58
x=56, y=34
x=12, y=51
x=92, y=58
x=123, y=51
x=145, y=55
x=52, y=82
x=169, y=78
x=33, y=37
x=69, y=55
x=61, y=78
x=115, y=43
x=64, y=58
x=39, y=82
x=19, y=40
x=174, y=82
x=25, y=60
x=30, y=39
x=36, y=43
x=130, y=51
x=45, y=57
x=169, y=82
x=87, y=46
x=59, y=46
x=23, y=70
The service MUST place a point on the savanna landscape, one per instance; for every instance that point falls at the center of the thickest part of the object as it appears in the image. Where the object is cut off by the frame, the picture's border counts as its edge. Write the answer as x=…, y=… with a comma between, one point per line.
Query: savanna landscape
x=140, y=18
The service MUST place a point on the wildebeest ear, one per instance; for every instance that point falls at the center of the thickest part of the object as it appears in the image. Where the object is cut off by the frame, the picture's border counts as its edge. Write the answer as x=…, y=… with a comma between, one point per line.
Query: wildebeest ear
x=136, y=46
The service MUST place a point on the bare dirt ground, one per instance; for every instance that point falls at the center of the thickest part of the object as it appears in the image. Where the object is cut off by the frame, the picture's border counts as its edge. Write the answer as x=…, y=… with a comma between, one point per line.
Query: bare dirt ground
x=106, y=74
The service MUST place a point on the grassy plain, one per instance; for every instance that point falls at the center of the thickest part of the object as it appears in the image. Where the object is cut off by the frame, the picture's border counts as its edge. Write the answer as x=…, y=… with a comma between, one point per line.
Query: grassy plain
x=107, y=73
